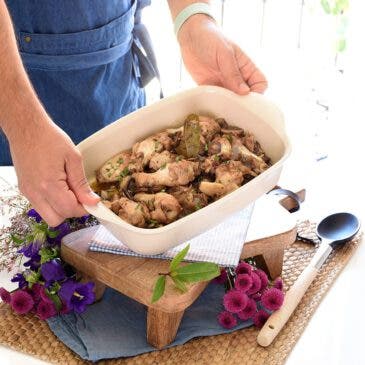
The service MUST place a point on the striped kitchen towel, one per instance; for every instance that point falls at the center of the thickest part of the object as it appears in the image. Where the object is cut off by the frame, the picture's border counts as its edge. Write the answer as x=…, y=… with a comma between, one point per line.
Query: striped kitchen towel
x=221, y=244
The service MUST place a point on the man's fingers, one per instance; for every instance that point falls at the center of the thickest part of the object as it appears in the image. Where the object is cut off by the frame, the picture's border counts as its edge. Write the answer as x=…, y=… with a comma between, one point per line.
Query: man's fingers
x=45, y=210
x=231, y=76
x=254, y=78
x=64, y=201
x=77, y=181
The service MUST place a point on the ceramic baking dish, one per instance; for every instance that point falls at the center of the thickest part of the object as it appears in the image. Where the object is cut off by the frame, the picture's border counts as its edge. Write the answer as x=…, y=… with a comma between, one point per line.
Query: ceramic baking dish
x=252, y=112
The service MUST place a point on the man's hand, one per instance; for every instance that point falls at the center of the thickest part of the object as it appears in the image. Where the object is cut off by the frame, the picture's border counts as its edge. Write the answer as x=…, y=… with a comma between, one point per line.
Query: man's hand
x=50, y=173
x=212, y=59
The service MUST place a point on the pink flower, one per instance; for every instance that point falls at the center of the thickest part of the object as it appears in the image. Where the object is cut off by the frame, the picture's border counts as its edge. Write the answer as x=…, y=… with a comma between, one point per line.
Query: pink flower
x=243, y=282
x=21, y=302
x=256, y=297
x=222, y=278
x=260, y=318
x=278, y=284
x=243, y=268
x=227, y=320
x=256, y=284
x=35, y=292
x=46, y=310
x=263, y=277
x=235, y=301
x=272, y=299
x=249, y=310
x=5, y=295
x=43, y=295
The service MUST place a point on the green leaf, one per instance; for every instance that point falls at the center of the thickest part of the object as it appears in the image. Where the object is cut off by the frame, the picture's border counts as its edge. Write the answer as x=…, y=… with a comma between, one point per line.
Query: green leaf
x=190, y=142
x=52, y=234
x=48, y=254
x=32, y=278
x=326, y=6
x=178, y=258
x=179, y=284
x=159, y=288
x=17, y=240
x=55, y=299
x=197, y=271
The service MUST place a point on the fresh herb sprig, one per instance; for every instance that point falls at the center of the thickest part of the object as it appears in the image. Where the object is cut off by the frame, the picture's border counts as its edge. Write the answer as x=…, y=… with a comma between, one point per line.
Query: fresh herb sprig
x=182, y=275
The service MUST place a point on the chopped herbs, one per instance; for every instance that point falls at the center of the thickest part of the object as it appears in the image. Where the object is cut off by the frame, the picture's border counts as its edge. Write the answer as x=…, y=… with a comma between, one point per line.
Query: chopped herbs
x=124, y=172
x=163, y=166
x=120, y=160
x=216, y=158
x=206, y=147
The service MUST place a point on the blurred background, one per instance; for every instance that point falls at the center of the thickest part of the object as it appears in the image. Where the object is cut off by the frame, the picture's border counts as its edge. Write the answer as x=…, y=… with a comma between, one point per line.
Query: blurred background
x=311, y=54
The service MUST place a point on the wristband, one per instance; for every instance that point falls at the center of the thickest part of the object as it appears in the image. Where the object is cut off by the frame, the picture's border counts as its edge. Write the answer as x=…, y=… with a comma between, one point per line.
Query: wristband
x=186, y=13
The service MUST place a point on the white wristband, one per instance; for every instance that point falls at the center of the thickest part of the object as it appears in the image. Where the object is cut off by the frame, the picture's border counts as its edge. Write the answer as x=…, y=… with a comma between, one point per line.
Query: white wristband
x=186, y=13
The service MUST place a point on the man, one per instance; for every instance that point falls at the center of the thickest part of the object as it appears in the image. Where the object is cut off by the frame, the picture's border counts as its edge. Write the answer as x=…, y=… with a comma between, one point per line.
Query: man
x=70, y=67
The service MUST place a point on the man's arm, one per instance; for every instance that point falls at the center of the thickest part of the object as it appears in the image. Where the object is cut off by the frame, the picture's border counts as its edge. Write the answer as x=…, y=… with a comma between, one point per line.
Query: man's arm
x=213, y=59
x=49, y=168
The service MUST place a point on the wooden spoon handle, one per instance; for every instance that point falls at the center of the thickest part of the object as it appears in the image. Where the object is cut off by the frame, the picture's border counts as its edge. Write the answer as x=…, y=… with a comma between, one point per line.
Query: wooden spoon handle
x=278, y=319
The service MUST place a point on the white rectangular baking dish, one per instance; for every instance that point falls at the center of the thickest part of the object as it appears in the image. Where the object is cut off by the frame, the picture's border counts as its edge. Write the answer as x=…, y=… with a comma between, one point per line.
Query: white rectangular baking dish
x=252, y=112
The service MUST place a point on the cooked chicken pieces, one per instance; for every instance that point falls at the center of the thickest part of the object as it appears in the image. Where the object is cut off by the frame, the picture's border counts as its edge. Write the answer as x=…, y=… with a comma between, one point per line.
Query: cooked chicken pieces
x=209, y=127
x=132, y=212
x=229, y=177
x=156, y=143
x=164, y=208
x=190, y=199
x=179, y=170
x=159, y=160
x=173, y=174
x=117, y=167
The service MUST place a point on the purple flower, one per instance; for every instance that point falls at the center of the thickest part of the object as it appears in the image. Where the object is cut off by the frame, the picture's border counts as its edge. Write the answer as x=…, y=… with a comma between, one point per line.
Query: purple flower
x=243, y=268
x=256, y=297
x=35, y=292
x=19, y=278
x=34, y=214
x=52, y=271
x=227, y=320
x=272, y=299
x=5, y=295
x=46, y=310
x=222, y=278
x=278, y=284
x=243, y=282
x=249, y=310
x=62, y=229
x=76, y=296
x=260, y=318
x=31, y=250
x=21, y=302
x=235, y=301
x=264, y=279
x=256, y=284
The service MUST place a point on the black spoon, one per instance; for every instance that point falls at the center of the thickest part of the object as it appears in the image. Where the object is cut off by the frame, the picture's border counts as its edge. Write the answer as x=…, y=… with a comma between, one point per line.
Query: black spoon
x=334, y=230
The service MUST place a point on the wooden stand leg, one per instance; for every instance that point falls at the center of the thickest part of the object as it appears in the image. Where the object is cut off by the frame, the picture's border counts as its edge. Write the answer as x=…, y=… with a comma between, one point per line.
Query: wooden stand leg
x=99, y=287
x=274, y=262
x=162, y=327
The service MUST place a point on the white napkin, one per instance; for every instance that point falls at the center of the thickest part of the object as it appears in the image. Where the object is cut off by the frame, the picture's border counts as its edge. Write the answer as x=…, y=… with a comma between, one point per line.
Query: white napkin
x=222, y=244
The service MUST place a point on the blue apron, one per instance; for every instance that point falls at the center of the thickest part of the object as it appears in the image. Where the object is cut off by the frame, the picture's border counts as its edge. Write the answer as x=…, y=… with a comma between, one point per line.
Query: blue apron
x=88, y=60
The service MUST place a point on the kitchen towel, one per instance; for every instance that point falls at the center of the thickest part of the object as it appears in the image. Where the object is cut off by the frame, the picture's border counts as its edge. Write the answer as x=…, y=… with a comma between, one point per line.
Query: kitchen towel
x=116, y=326
x=221, y=244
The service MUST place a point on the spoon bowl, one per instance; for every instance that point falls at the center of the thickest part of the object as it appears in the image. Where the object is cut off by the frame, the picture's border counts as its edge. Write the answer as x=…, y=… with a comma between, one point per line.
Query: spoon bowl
x=338, y=227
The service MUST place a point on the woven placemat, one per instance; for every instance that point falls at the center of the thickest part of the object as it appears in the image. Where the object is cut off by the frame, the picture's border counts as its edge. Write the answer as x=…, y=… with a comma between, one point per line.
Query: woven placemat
x=32, y=336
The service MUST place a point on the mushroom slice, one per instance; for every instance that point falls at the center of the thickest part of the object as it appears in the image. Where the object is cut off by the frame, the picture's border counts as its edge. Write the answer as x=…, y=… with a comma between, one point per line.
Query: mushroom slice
x=220, y=146
x=173, y=174
x=208, y=127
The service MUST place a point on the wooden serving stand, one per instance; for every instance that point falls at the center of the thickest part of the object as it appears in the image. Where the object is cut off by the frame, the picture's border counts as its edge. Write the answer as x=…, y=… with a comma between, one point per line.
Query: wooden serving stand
x=271, y=230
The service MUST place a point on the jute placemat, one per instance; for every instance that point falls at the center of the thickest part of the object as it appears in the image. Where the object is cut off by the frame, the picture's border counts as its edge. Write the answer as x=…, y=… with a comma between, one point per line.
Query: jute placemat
x=32, y=336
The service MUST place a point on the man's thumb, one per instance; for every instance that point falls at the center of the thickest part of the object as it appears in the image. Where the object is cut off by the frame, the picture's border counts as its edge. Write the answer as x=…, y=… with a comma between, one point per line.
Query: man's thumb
x=78, y=183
